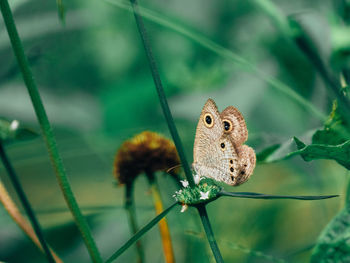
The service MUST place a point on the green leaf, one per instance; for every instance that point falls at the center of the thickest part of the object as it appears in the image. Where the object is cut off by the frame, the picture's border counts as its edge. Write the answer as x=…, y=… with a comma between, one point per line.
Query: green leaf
x=334, y=131
x=61, y=10
x=262, y=156
x=332, y=142
x=334, y=243
x=299, y=143
x=339, y=153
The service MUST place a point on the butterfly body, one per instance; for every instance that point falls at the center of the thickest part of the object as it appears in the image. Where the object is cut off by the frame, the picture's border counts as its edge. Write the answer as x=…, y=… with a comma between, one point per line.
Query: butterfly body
x=218, y=150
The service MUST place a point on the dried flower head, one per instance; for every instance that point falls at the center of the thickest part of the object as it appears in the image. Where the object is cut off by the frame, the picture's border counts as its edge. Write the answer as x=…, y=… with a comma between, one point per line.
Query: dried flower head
x=146, y=152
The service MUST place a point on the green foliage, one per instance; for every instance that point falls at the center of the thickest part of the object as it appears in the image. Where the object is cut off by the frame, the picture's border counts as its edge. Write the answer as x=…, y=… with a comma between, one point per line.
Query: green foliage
x=339, y=153
x=334, y=131
x=333, y=244
x=331, y=142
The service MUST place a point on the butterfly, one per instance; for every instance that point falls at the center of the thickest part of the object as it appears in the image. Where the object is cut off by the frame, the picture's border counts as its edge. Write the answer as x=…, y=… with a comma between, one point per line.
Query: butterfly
x=219, y=151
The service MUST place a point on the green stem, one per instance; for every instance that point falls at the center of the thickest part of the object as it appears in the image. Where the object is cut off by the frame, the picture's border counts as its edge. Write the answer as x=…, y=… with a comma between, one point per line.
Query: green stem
x=209, y=232
x=293, y=30
x=265, y=196
x=130, y=209
x=24, y=200
x=140, y=233
x=47, y=131
x=172, y=127
x=160, y=91
x=224, y=53
x=306, y=45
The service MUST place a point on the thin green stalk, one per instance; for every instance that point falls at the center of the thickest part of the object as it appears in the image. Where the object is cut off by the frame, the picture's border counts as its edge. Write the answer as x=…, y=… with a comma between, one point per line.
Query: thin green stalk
x=265, y=196
x=47, y=131
x=224, y=53
x=171, y=125
x=293, y=30
x=18, y=218
x=26, y=205
x=61, y=11
x=332, y=83
x=209, y=232
x=140, y=233
x=130, y=209
x=161, y=94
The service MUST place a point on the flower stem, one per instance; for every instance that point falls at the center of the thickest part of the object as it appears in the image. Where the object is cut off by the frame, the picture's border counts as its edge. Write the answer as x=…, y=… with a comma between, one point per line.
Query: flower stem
x=266, y=196
x=130, y=209
x=161, y=94
x=163, y=225
x=209, y=232
x=47, y=131
x=15, y=214
x=24, y=200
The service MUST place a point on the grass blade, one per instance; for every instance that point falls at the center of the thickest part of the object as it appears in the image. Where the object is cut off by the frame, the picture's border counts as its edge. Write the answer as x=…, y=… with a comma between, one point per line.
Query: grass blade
x=209, y=232
x=160, y=90
x=265, y=196
x=26, y=205
x=140, y=233
x=130, y=210
x=47, y=131
x=61, y=10
x=224, y=53
x=17, y=217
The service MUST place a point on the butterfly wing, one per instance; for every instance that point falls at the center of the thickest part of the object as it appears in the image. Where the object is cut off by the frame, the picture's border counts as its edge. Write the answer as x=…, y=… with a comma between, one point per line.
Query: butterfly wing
x=234, y=125
x=236, y=128
x=209, y=129
x=247, y=160
x=220, y=163
x=213, y=152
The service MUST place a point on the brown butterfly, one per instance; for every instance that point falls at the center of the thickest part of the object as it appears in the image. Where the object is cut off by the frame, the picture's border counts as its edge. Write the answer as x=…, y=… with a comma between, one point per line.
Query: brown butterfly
x=218, y=150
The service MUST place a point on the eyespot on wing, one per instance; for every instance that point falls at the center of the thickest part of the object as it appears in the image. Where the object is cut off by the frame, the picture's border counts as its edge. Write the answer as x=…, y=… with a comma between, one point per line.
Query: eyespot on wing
x=234, y=125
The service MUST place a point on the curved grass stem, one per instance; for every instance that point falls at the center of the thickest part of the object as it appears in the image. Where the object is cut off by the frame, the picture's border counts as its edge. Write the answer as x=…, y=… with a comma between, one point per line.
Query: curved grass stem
x=17, y=217
x=47, y=131
x=266, y=196
x=224, y=53
x=161, y=94
x=295, y=32
x=24, y=200
x=140, y=233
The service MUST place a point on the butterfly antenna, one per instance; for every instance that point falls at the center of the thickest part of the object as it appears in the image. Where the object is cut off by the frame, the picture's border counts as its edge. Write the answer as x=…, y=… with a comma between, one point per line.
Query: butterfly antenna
x=174, y=167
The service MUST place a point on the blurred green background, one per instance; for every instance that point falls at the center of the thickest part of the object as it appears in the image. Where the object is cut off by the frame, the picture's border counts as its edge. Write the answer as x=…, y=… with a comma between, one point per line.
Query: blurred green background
x=98, y=91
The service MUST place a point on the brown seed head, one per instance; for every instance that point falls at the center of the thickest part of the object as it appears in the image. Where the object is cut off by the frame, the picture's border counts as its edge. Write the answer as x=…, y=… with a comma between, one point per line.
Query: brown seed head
x=146, y=152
